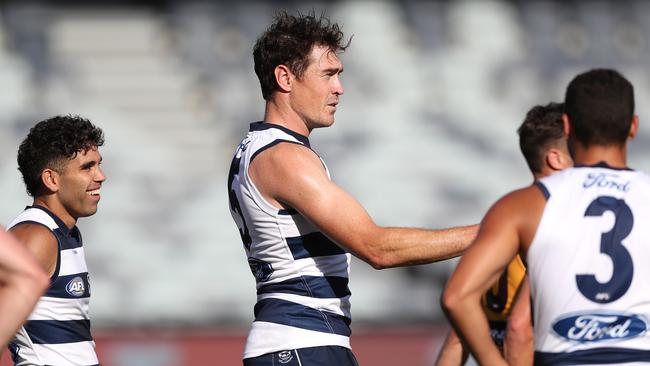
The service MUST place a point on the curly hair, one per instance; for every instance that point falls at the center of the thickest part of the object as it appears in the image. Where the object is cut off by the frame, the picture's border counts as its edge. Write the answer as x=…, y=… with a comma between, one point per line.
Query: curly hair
x=288, y=41
x=50, y=144
x=542, y=128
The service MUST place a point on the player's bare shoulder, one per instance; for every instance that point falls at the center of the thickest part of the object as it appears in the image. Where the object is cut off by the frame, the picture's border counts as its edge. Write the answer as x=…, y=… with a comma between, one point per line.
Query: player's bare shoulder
x=32, y=232
x=288, y=153
x=528, y=203
x=287, y=171
x=523, y=199
x=285, y=162
x=520, y=209
x=40, y=241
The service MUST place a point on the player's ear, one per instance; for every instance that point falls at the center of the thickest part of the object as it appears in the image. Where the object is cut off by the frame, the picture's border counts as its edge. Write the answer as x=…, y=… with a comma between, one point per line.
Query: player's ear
x=567, y=125
x=283, y=77
x=50, y=179
x=555, y=159
x=634, y=127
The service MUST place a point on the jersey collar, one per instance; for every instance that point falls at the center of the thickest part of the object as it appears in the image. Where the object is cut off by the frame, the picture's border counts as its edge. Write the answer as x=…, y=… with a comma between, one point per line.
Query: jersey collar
x=601, y=164
x=260, y=126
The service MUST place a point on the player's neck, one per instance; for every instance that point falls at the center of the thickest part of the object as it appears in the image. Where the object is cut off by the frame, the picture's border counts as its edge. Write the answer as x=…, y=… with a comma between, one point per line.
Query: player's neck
x=279, y=112
x=612, y=155
x=54, y=205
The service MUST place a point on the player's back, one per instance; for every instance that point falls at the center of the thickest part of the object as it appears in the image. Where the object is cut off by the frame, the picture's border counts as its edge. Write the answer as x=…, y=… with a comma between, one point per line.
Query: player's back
x=589, y=266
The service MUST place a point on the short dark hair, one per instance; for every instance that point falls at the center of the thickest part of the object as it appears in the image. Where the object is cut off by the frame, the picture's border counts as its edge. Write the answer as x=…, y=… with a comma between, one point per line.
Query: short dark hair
x=288, y=41
x=600, y=107
x=50, y=144
x=542, y=128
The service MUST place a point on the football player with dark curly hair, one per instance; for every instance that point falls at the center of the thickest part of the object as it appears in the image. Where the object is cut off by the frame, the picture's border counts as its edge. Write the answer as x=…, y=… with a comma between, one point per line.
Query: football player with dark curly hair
x=60, y=164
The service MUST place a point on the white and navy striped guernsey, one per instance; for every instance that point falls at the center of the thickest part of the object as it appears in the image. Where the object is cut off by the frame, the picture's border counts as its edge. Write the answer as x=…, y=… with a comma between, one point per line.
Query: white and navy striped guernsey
x=301, y=276
x=57, y=332
x=589, y=268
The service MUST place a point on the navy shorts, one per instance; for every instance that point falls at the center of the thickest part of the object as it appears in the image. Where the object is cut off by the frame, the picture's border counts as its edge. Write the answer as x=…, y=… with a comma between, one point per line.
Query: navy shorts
x=311, y=356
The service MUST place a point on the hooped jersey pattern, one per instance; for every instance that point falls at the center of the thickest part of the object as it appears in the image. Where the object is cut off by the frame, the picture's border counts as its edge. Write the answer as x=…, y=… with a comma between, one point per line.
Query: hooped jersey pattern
x=301, y=276
x=589, y=265
x=57, y=332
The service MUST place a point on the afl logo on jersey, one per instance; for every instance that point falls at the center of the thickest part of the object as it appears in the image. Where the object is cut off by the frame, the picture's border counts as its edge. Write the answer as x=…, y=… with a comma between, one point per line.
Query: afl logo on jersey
x=76, y=287
x=597, y=327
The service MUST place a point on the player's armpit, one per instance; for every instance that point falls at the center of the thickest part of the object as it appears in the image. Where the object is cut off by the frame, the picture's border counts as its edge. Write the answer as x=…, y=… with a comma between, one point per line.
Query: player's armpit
x=40, y=242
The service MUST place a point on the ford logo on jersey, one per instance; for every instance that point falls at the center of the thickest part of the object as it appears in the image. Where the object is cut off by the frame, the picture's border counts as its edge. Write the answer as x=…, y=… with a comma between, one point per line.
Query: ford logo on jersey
x=596, y=327
x=75, y=287
x=605, y=180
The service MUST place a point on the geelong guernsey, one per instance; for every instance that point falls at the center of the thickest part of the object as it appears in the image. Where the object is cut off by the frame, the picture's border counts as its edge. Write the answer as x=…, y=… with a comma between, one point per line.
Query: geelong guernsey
x=301, y=276
x=589, y=268
x=57, y=332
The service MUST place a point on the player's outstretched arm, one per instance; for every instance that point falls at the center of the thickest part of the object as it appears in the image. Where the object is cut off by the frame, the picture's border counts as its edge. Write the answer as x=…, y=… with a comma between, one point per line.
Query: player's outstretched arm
x=453, y=351
x=511, y=221
x=519, y=348
x=22, y=282
x=291, y=175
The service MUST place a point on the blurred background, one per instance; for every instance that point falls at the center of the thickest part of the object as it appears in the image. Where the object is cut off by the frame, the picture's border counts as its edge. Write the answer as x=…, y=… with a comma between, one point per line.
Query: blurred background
x=425, y=136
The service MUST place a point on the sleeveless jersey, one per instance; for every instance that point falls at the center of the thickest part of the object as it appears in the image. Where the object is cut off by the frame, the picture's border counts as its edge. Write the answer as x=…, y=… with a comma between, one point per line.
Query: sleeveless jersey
x=498, y=301
x=589, y=268
x=57, y=332
x=301, y=276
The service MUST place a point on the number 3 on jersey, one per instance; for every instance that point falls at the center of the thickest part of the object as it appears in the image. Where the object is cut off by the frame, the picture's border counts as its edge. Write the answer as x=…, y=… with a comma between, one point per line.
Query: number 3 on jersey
x=612, y=246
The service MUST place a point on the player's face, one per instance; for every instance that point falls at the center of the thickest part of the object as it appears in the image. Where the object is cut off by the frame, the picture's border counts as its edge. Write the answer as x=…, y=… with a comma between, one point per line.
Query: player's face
x=315, y=95
x=80, y=183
